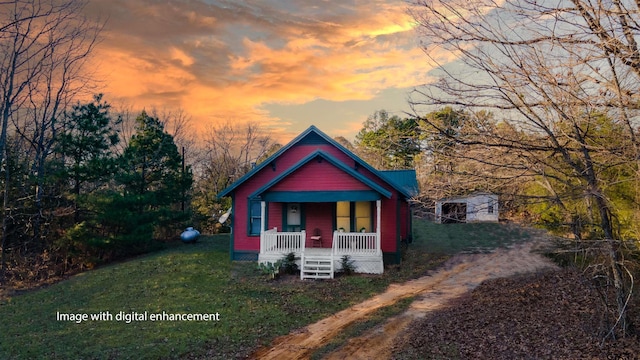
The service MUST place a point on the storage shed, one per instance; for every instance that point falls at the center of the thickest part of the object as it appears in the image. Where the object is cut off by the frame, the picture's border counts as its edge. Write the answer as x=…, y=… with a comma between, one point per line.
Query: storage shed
x=476, y=207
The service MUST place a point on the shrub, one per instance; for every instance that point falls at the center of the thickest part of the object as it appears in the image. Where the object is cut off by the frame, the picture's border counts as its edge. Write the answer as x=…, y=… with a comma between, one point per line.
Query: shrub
x=288, y=264
x=270, y=269
x=348, y=266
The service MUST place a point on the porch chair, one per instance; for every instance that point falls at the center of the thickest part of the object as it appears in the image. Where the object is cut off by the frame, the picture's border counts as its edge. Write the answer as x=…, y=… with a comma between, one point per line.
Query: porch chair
x=316, y=238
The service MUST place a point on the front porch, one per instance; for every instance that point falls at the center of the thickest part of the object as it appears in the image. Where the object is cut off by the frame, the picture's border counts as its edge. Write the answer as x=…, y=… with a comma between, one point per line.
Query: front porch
x=322, y=262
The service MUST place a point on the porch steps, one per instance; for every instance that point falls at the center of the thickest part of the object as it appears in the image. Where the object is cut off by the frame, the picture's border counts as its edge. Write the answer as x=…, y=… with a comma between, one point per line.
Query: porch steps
x=316, y=267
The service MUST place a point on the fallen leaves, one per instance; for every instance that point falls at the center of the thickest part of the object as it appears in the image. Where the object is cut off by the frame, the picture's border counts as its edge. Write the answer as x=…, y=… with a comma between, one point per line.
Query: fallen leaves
x=550, y=315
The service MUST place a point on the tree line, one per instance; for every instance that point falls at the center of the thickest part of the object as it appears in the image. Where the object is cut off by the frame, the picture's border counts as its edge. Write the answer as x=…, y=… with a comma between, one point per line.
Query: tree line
x=77, y=190
x=90, y=203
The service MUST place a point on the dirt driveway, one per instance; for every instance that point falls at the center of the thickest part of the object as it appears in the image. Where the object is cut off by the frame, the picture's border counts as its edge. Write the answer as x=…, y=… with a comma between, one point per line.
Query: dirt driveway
x=460, y=274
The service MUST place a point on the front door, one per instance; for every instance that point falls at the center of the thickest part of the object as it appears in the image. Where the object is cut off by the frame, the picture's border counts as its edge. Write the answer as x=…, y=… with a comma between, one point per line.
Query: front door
x=294, y=217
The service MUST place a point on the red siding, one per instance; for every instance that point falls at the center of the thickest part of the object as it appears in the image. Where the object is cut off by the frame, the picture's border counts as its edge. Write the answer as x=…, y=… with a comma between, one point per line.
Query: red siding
x=388, y=231
x=404, y=220
x=319, y=176
x=275, y=216
x=319, y=215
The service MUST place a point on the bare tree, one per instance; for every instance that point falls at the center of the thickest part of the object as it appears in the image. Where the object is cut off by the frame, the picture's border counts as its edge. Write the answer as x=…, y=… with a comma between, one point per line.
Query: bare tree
x=179, y=124
x=126, y=127
x=44, y=45
x=562, y=76
x=232, y=150
x=229, y=151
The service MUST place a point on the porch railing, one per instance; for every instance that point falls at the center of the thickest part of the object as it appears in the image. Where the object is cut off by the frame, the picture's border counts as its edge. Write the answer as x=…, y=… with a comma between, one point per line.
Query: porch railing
x=273, y=241
x=348, y=243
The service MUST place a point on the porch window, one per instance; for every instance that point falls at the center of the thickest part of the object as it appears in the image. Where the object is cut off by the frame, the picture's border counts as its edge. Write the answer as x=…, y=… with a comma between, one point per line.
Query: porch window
x=255, y=217
x=353, y=216
x=363, y=216
x=343, y=216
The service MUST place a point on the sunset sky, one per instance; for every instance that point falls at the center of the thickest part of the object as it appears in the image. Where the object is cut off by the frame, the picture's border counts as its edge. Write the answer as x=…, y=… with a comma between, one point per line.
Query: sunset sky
x=287, y=64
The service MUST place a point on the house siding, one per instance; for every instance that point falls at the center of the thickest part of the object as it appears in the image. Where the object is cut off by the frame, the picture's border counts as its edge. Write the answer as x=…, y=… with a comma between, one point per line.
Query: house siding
x=319, y=176
x=388, y=232
x=275, y=216
x=319, y=215
x=404, y=220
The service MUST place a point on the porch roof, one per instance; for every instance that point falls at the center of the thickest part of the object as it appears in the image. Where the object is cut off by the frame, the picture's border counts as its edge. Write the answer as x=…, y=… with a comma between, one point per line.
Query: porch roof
x=375, y=193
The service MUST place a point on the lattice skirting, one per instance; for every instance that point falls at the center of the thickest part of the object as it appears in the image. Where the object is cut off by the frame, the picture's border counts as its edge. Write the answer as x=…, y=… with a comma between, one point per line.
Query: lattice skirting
x=365, y=264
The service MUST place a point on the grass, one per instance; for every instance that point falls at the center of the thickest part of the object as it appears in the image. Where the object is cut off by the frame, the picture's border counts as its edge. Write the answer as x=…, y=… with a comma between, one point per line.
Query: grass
x=471, y=237
x=199, y=279
x=194, y=279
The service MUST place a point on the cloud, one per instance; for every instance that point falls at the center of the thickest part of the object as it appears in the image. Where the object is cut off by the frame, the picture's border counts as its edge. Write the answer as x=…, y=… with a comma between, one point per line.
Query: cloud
x=226, y=59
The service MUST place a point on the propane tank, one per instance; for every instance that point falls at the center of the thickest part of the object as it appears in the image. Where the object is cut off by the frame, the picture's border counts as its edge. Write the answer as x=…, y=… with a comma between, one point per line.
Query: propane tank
x=190, y=235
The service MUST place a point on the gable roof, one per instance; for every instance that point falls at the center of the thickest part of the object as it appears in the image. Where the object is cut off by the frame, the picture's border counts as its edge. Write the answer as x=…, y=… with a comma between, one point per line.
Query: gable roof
x=335, y=162
x=315, y=136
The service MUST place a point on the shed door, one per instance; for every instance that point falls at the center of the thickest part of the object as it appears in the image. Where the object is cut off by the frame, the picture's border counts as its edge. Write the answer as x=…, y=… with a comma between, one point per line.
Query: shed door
x=454, y=213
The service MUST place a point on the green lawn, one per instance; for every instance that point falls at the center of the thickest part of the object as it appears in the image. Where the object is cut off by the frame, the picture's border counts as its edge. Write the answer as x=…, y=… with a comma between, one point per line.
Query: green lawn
x=472, y=237
x=200, y=279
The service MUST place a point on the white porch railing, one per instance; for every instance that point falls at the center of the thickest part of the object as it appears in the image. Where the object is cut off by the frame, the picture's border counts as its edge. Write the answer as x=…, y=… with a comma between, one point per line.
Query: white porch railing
x=348, y=243
x=274, y=242
x=344, y=243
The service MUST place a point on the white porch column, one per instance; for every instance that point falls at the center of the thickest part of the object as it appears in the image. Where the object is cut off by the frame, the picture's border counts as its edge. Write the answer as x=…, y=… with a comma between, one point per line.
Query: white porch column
x=378, y=231
x=262, y=225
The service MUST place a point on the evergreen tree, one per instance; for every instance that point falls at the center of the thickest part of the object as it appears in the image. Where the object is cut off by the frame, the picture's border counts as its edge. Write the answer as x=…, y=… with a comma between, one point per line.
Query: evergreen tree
x=86, y=145
x=152, y=177
x=389, y=142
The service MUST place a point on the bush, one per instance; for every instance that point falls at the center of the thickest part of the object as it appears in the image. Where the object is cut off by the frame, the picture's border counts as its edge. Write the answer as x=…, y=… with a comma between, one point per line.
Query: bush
x=270, y=269
x=348, y=265
x=288, y=264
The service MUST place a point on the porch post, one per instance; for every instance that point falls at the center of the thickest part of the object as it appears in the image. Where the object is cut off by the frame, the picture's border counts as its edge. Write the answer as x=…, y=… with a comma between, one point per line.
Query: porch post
x=378, y=231
x=262, y=224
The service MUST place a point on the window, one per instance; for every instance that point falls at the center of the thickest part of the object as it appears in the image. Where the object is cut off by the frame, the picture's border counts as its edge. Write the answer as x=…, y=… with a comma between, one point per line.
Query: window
x=343, y=216
x=354, y=216
x=363, y=216
x=255, y=217
x=490, y=207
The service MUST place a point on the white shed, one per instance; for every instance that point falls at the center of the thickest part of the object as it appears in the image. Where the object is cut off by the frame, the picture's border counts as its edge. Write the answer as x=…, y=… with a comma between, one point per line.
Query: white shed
x=476, y=207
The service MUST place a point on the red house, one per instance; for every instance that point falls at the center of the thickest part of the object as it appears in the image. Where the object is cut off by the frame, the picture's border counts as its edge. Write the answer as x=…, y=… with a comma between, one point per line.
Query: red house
x=320, y=201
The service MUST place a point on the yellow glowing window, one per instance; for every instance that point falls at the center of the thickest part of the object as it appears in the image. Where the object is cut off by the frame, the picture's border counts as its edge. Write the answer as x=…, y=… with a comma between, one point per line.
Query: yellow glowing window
x=363, y=216
x=343, y=216
x=351, y=217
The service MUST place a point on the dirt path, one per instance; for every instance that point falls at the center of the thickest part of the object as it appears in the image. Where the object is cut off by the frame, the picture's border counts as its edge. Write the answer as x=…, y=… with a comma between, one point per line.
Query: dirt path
x=459, y=275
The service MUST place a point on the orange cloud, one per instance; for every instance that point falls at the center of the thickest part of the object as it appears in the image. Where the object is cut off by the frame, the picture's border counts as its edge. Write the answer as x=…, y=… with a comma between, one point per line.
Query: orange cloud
x=226, y=61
